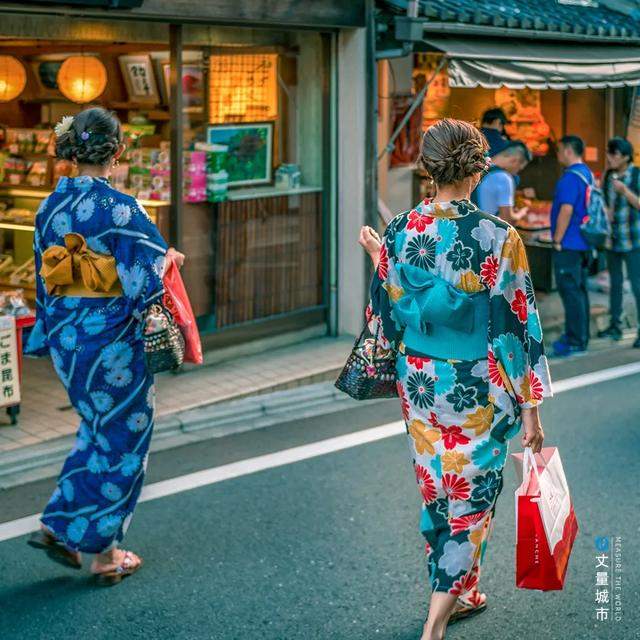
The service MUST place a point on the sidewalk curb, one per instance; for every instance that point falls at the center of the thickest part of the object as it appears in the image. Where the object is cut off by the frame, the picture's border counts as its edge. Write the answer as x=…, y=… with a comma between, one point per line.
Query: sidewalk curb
x=216, y=420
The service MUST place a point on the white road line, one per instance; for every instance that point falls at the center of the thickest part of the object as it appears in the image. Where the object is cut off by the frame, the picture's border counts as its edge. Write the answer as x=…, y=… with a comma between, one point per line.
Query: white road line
x=22, y=526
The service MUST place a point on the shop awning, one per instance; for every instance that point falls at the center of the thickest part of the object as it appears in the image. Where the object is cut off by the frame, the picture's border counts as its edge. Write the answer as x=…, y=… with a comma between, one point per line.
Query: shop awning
x=493, y=63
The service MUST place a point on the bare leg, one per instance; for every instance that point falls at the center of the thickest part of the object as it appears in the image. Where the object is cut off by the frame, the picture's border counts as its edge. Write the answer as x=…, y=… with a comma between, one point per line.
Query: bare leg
x=440, y=608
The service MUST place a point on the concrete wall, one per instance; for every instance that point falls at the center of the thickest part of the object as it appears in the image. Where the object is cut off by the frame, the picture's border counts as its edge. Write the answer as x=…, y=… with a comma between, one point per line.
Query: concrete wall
x=352, y=273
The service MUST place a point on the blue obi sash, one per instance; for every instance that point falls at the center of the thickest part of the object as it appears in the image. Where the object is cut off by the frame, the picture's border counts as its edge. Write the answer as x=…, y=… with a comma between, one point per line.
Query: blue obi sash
x=439, y=319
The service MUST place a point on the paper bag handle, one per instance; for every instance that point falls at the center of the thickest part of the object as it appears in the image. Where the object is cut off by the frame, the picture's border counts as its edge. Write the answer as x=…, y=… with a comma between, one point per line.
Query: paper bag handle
x=528, y=463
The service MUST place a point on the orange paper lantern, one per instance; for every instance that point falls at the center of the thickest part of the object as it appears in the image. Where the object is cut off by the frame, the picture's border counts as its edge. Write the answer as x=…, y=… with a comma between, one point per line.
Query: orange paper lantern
x=13, y=78
x=82, y=78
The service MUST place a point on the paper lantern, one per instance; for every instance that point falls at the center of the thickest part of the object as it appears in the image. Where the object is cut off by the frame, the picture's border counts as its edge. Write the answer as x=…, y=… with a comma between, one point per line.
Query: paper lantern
x=13, y=78
x=82, y=78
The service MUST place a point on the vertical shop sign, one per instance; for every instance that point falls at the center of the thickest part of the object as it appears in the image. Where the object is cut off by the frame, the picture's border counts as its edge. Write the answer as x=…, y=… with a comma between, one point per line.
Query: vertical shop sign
x=9, y=374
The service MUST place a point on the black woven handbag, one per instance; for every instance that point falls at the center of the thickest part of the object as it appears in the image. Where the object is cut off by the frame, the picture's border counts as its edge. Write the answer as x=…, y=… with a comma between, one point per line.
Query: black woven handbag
x=164, y=347
x=370, y=371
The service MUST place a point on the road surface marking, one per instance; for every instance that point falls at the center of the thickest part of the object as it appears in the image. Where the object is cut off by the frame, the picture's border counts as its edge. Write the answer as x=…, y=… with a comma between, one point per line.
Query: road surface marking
x=22, y=526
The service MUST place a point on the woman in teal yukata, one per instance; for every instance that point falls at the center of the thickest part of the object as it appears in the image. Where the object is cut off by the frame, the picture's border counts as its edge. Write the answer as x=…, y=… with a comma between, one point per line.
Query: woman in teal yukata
x=99, y=261
x=454, y=295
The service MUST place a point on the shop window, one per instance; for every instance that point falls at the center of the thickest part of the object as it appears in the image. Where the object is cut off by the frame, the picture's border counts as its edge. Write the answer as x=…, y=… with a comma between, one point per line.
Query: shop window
x=243, y=87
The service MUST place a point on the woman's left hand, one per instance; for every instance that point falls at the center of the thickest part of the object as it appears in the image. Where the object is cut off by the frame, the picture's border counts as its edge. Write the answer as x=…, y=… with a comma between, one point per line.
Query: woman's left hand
x=370, y=241
x=176, y=256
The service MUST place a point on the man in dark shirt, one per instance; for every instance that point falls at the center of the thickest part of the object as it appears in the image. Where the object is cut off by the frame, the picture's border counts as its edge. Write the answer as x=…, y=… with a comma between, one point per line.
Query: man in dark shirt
x=572, y=253
x=492, y=126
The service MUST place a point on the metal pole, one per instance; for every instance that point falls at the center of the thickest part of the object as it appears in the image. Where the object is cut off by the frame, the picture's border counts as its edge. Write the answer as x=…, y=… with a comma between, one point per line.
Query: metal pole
x=417, y=101
x=177, y=133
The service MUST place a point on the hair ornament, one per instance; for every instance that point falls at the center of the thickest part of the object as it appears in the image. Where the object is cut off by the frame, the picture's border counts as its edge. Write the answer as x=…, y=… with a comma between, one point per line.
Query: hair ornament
x=63, y=126
x=84, y=135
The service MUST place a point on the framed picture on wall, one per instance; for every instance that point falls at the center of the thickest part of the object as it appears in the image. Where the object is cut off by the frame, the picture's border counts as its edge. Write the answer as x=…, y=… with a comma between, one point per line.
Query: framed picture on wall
x=192, y=85
x=249, y=151
x=139, y=78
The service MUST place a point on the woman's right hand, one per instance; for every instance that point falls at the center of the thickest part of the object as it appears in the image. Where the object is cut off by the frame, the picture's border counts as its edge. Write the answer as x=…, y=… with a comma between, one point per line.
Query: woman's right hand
x=370, y=241
x=533, y=435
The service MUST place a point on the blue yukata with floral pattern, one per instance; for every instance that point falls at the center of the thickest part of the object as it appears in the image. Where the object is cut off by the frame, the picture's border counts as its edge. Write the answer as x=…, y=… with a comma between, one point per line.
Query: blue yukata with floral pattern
x=96, y=347
x=460, y=414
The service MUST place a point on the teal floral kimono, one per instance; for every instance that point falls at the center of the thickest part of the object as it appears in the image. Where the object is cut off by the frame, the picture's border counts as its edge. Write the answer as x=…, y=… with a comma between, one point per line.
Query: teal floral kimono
x=460, y=414
x=96, y=347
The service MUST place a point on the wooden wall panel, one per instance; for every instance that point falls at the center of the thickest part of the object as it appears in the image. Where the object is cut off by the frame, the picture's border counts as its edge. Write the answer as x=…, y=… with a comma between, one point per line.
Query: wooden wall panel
x=268, y=257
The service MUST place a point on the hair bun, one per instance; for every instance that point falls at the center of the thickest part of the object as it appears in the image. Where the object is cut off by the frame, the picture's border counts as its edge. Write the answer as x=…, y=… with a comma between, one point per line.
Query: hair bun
x=453, y=150
x=92, y=137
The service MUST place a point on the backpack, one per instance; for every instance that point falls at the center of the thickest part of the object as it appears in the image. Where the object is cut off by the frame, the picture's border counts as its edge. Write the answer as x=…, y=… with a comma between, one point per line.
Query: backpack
x=595, y=227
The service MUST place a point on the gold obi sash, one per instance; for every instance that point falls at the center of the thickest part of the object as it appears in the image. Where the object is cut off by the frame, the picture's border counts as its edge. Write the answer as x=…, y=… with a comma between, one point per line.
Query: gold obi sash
x=75, y=270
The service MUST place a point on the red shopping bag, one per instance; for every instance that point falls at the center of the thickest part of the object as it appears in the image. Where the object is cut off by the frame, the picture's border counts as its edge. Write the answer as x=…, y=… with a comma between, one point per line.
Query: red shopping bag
x=546, y=524
x=177, y=302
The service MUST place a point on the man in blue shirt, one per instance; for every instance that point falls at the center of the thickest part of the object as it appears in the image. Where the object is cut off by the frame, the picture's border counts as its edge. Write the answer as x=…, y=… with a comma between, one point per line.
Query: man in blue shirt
x=571, y=251
x=496, y=192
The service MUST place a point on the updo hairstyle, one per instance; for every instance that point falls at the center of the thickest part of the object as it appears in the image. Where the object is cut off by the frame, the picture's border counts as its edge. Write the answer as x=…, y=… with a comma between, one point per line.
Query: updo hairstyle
x=453, y=150
x=93, y=137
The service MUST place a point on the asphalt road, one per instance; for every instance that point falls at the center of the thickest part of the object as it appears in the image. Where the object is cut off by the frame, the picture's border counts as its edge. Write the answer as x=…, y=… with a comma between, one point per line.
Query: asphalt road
x=329, y=547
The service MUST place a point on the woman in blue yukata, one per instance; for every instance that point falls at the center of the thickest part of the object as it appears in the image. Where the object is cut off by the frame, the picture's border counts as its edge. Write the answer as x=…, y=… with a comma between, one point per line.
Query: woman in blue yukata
x=100, y=261
x=454, y=297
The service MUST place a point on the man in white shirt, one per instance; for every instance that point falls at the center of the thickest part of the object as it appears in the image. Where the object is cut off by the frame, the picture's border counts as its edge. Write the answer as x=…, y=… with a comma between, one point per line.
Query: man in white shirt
x=496, y=192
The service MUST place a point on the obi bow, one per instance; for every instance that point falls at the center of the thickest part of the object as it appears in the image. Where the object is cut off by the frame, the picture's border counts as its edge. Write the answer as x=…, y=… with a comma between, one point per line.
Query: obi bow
x=74, y=263
x=429, y=299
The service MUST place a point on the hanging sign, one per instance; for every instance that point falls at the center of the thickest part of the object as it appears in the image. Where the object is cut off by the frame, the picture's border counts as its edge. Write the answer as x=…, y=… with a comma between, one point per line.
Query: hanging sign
x=9, y=372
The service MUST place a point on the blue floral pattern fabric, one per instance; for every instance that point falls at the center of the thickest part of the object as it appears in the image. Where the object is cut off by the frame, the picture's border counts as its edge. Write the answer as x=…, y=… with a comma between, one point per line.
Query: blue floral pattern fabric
x=96, y=348
x=461, y=414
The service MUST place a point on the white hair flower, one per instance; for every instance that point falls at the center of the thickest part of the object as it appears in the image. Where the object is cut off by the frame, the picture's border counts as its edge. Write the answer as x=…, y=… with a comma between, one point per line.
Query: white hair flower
x=63, y=126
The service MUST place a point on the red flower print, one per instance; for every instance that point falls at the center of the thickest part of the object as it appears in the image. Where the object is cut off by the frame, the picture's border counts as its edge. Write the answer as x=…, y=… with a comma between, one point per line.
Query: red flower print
x=455, y=487
x=418, y=221
x=368, y=313
x=433, y=421
x=383, y=264
x=489, y=270
x=519, y=305
x=417, y=362
x=426, y=484
x=451, y=436
x=427, y=548
x=535, y=386
x=465, y=584
x=494, y=372
x=404, y=402
x=462, y=523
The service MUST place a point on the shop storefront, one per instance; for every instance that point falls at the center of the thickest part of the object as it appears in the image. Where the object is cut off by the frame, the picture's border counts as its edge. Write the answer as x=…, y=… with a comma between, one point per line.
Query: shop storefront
x=229, y=141
x=547, y=89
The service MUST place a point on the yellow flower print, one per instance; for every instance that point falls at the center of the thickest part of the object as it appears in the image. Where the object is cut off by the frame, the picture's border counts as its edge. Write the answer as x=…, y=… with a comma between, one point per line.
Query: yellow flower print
x=395, y=293
x=470, y=282
x=454, y=461
x=525, y=389
x=480, y=420
x=449, y=212
x=423, y=437
x=475, y=537
x=513, y=249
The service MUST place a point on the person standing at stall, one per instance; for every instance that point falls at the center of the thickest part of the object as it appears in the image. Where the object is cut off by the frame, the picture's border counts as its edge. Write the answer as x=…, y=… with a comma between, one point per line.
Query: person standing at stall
x=621, y=190
x=571, y=251
x=497, y=190
x=492, y=127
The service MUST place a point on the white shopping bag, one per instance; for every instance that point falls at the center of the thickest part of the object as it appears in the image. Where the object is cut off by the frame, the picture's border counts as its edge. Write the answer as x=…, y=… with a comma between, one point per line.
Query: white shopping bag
x=549, y=480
